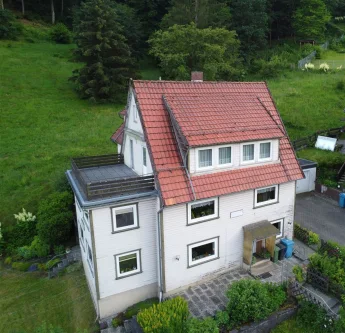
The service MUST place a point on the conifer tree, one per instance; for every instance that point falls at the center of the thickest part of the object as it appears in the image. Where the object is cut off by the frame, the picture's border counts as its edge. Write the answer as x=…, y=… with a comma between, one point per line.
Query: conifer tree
x=103, y=48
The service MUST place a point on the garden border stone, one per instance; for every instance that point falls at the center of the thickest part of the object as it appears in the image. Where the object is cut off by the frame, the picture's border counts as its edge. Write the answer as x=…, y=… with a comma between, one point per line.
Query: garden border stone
x=265, y=326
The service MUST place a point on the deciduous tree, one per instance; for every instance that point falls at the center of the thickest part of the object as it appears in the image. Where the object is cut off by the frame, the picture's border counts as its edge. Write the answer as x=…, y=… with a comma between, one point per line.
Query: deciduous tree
x=103, y=48
x=310, y=19
x=185, y=48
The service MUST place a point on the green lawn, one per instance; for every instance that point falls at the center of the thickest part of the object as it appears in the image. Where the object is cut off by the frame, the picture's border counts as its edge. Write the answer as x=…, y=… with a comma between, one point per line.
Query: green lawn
x=29, y=299
x=332, y=58
x=309, y=102
x=43, y=123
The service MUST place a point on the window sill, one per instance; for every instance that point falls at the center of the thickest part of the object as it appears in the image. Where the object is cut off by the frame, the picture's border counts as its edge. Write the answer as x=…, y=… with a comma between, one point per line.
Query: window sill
x=201, y=263
x=268, y=204
x=198, y=222
x=126, y=276
x=124, y=230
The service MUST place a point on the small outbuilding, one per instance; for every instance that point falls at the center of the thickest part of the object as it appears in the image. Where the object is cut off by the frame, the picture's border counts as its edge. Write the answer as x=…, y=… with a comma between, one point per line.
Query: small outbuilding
x=308, y=183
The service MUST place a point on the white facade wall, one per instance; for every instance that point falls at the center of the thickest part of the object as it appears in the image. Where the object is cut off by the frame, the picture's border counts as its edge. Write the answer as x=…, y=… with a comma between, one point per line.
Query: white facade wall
x=308, y=183
x=84, y=224
x=177, y=235
x=109, y=244
x=235, y=156
x=134, y=132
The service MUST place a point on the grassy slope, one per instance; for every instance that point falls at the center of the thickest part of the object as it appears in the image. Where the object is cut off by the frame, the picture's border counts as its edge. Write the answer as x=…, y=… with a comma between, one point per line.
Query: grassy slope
x=28, y=299
x=308, y=102
x=43, y=123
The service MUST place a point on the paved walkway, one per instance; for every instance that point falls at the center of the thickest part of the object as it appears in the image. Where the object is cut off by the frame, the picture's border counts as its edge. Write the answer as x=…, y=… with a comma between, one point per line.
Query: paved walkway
x=321, y=215
x=209, y=297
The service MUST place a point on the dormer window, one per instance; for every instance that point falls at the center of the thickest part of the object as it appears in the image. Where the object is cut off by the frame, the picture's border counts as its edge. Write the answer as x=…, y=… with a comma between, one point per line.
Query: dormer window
x=224, y=155
x=265, y=151
x=205, y=158
x=248, y=153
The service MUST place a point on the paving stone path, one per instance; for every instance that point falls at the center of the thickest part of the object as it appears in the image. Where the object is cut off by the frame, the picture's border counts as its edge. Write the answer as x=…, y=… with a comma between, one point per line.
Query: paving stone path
x=207, y=298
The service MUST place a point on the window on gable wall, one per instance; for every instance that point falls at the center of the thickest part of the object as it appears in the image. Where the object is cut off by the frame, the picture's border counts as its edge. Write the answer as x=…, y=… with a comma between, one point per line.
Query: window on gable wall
x=135, y=113
x=144, y=157
x=124, y=218
x=205, y=158
x=267, y=195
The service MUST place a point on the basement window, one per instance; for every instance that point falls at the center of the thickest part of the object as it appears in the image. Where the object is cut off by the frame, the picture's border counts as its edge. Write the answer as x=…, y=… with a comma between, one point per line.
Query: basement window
x=128, y=264
x=266, y=196
x=202, y=211
x=202, y=252
x=124, y=218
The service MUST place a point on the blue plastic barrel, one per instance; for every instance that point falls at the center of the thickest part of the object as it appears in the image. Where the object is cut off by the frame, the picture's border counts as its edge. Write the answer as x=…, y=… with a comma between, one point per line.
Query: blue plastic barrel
x=289, y=246
x=342, y=200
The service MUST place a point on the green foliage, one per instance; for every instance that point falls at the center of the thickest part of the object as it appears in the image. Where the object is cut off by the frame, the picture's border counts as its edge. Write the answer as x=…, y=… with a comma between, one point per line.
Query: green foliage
x=101, y=45
x=51, y=263
x=298, y=271
x=207, y=325
x=252, y=300
x=222, y=319
x=204, y=13
x=340, y=85
x=306, y=236
x=37, y=249
x=168, y=317
x=55, y=218
x=22, y=233
x=314, y=317
x=8, y=261
x=21, y=266
x=60, y=34
x=271, y=68
x=183, y=49
x=310, y=19
x=134, y=309
x=9, y=27
x=250, y=21
x=319, y=52
x=59, y=249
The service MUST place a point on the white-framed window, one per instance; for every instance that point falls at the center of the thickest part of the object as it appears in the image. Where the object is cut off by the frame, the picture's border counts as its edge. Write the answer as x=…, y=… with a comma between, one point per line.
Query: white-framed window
x=135, y=113
x=224, y=156
x=89, y=257
x=265, y=151
x=266, y=195
x=248, y=153
x=81, y=235
x=128, y=263
x=144, y=157
x=86, y=219
x=202, y=252
x=203, y=210
x=124, y=217
x=78, y=206
x=279, y=224
x=205, y=158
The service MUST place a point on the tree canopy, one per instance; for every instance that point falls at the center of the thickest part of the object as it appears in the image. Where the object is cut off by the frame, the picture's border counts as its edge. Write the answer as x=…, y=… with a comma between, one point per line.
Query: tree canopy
x=183, y=49
x=103, y=48
x=309, y=20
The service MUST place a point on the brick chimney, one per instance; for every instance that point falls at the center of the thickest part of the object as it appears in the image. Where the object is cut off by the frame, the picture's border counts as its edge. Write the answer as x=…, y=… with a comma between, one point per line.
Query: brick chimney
x=197, y=76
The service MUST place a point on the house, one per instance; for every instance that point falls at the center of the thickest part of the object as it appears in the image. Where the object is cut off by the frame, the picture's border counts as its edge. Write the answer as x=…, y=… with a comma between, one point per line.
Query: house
x=202, y=165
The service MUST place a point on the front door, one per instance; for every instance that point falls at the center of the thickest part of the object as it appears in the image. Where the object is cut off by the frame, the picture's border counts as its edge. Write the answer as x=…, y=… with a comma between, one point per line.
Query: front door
x=259, y=246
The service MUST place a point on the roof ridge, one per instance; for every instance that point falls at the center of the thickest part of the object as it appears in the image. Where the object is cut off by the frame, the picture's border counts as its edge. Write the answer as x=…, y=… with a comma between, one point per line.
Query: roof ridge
x=191, y=82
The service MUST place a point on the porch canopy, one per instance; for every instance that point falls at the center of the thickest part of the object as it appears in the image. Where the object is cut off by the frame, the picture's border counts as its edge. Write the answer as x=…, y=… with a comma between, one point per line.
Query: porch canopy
x=258, y=231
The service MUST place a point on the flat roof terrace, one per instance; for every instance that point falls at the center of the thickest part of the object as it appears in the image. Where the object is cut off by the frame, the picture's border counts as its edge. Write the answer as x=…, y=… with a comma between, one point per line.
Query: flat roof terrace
x=107, y=176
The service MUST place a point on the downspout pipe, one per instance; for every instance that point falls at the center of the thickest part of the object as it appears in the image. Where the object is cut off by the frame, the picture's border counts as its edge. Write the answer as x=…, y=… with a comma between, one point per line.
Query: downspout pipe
x=160, y=275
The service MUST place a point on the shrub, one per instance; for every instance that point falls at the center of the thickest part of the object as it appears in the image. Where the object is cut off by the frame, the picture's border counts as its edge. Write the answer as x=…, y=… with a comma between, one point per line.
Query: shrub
x=168, y=317
x=314, y=238
x=51, y=263
x=340, y=85
x=59, y=250
x=8, y=261
x=22, y=233
x=60, y=34
x=271, y=68
x=136, y=308
x=9, y=27
x=222, y=319
x=319, y=52
x=55, y=218
x=298, y=271
x=21, y=266
x=207, y=325
x=37, y=249
x=252, y=300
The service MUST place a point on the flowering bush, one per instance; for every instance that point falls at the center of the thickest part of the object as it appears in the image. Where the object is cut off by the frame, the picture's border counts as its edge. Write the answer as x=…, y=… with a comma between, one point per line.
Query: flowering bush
x=324, y=67
x=309, y=66
x=24, y=216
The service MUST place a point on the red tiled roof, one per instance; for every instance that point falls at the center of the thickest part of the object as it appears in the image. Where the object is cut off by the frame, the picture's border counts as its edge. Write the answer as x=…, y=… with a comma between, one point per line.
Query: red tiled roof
x=117, y=137
x=222, y=118
x=252, y=98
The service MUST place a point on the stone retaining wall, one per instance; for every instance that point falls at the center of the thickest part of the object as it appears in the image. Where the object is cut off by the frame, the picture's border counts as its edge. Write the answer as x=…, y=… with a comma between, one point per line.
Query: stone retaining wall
x=268, y=324
x=328, y=191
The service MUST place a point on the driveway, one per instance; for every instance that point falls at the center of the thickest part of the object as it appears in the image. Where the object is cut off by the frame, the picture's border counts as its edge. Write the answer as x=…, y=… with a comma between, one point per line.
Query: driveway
x=321, y=215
